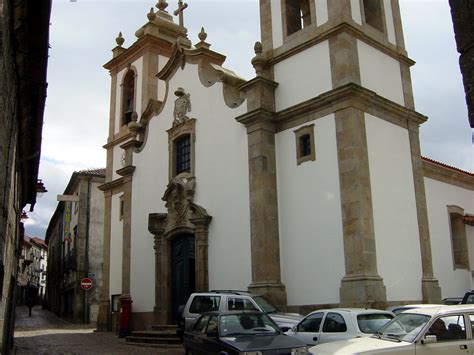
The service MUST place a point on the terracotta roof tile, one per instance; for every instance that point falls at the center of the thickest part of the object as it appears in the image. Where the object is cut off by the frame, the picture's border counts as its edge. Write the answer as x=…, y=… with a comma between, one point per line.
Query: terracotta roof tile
x=446, y=166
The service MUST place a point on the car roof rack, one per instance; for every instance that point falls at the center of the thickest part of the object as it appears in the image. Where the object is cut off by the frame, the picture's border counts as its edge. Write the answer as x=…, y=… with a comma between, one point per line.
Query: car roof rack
x=236, y=292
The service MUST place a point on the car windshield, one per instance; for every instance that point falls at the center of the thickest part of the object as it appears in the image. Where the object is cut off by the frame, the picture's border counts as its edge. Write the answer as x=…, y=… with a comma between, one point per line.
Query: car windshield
x=370, y=323
x=404, y=327
x=264, y=305
x=243, y=324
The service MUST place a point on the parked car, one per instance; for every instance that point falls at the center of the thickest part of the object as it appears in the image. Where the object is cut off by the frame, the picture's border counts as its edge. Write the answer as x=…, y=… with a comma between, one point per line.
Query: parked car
x=404, y=307
x=239, y=332
x=452, y=300
x=231, y=300
x=468, y=297
x=327, y=325
x=418, y=331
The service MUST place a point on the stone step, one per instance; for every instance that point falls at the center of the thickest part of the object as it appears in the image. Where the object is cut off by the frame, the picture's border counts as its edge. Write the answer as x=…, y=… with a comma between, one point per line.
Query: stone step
x=154, y=333
x=172, y=327
x=153, y=340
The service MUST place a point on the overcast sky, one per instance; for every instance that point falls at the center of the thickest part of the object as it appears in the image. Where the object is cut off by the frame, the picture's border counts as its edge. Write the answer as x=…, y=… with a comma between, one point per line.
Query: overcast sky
x=83, y=32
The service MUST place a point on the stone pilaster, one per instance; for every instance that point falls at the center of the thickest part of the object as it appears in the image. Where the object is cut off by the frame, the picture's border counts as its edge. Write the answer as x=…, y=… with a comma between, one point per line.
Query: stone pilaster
x=201, y=233
x=361, y=286
x=103, y=318
x=150, y=81
x=266, y=25
x=430, y=286
x=265, y=243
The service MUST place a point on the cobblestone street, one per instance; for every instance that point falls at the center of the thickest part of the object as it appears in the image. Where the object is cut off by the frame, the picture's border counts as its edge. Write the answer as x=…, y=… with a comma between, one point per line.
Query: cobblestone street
x=44, y=333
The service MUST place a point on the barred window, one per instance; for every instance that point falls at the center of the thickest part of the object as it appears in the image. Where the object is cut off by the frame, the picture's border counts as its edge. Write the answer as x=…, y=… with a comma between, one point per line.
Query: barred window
x=183, y=155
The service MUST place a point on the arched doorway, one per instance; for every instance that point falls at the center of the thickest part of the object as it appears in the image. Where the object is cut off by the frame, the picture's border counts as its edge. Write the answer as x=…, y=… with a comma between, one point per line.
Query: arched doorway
x=183, y=270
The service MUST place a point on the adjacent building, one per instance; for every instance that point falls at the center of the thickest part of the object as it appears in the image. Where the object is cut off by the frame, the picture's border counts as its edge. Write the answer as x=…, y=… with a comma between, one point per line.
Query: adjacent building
x=31, y=284
x=24, y=32
x=74, y=237
x=304, y=184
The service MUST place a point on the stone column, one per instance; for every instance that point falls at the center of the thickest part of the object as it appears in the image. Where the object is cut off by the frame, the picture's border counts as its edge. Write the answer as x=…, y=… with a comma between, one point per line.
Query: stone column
x=103, y=318
x=361, y=286
x=201, y=233
x=265, y=243
x=156, y=226
x=429, y=284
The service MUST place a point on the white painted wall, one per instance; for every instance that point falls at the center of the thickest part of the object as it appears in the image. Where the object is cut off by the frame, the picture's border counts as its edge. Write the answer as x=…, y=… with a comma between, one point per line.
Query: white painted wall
x=309, y=208
x=221, y=188
x=439, y=195
x=277, y=24
x=118, y=100
x=161, y=84
x=394, y=206
x=356, y=11
x=117, y=161
x=116, y=247
x=380, y=73
x=321, y=12
x=389, y=21
x=303, y=76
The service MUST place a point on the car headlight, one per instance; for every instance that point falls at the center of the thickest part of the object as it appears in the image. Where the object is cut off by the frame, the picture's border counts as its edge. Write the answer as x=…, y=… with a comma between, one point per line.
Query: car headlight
x=299, y=351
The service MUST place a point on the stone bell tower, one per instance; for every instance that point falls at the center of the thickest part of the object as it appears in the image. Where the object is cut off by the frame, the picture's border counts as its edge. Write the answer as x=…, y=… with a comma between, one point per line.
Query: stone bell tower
x=347, y=58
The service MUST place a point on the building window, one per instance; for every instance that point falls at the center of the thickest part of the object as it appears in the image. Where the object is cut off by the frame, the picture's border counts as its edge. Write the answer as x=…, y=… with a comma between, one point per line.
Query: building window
x=128, y=97
x=373, y=14
x=121, y=207
x=298, y=15
x=458, y=238
x=305, y=148
x=183, y=155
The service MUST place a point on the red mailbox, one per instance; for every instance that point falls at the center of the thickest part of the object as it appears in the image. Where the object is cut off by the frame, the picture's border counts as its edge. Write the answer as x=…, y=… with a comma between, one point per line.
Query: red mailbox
x=126, y=307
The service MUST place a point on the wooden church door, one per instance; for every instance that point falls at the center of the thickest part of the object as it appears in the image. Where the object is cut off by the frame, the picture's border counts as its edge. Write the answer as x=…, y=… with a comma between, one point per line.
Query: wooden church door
x=183, y=267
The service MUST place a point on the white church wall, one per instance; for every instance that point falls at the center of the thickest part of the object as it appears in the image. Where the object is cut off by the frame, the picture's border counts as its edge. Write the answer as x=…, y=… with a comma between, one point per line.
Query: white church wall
x=309, y=209
x=394, y=209
x=277, y=24
x=221, y=187
x=440, y=195
x=116, y=233
x=162, y=60
x=356, y=11
x=303, y=76
x=118, y=99
x=321, y=12
x=117, y=161
x=389, y=21
x=138, y=64
x=380, y=73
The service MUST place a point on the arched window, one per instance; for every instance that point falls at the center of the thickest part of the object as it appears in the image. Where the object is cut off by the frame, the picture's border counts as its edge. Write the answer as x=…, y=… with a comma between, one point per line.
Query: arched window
x=183, y=154
x=128, y=97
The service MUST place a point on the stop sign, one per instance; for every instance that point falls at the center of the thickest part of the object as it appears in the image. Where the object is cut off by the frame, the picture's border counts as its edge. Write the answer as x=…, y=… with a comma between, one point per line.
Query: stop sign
x=86, y=283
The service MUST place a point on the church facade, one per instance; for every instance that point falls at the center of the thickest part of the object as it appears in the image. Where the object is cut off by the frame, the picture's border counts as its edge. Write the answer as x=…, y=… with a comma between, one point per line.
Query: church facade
x=305, y=183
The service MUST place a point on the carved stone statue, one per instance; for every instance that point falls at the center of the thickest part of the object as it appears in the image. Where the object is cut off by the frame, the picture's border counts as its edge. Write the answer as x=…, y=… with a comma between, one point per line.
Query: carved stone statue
x=182, y=106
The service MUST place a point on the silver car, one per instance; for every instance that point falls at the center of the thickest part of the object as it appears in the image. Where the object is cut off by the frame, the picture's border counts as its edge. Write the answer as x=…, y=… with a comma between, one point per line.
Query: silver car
x=231, y=300
x=334, y=324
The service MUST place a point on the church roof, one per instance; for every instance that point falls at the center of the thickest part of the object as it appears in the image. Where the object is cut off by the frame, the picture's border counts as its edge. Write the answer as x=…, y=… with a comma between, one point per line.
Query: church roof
x=95, y=171
x=447, y=166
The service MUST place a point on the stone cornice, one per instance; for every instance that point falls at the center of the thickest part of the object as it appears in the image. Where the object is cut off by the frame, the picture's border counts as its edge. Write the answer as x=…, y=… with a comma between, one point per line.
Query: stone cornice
x=350, y=95
x=256, y=116
x=452, y=176
x=117, y=183
x=135, y=51
x=118, y=138
x=284, y=52
x=258, y=79
x=126, y=171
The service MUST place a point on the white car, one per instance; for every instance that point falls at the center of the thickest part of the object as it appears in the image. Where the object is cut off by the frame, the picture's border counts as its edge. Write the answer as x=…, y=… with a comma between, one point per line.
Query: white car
x=402, y=308
x=420, y=331
x=334, y=324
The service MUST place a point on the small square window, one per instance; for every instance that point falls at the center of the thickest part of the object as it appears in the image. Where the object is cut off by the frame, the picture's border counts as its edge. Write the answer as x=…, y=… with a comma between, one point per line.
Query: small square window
x=305, y=148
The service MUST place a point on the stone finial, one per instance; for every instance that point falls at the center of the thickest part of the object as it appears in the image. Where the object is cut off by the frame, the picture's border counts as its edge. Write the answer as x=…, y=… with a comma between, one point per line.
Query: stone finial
x=162, y=5
x=259, y=60
x=120, y=40
x=202, y=35
x=151, y=15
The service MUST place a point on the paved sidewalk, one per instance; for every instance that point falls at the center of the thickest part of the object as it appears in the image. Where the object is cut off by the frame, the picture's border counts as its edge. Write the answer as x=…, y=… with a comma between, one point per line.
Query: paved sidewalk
x=44, y=333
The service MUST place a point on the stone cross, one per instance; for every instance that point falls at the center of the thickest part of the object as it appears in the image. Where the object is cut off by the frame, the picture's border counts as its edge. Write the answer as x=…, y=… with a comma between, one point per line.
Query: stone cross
x=179, y=11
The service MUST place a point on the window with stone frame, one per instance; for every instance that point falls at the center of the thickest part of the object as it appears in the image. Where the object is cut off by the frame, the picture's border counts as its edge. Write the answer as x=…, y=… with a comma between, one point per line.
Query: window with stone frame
x=373, y=14
x=297, y=15
x=305, y=148
x=183, y=154
x=181, y=146
x=128, y=97
x=458, y=238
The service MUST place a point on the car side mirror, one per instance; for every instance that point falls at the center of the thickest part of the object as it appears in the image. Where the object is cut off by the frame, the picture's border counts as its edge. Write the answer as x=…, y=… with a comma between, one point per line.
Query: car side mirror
x=428, y=339
x=212, y=334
